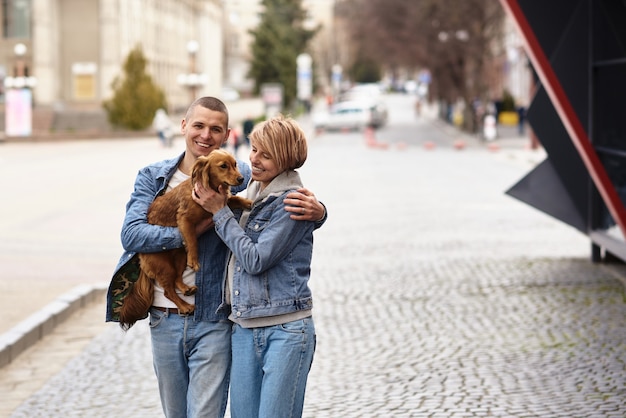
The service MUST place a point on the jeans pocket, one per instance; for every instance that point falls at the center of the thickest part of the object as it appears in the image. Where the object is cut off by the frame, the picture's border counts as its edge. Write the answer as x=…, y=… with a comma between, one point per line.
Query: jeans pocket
x=156, y=317
x=297, y=327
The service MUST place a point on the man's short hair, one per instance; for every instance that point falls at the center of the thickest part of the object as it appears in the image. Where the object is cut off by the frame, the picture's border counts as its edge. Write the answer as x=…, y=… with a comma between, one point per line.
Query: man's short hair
x=208, y=102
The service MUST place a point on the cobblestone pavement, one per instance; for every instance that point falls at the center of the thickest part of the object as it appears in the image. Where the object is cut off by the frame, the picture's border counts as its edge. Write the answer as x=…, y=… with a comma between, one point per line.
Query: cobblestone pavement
x=436, y=295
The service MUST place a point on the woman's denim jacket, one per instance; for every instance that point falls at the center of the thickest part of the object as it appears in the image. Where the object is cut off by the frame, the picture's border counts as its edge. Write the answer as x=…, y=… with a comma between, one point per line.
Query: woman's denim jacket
x=272, y=253
x=139, y=236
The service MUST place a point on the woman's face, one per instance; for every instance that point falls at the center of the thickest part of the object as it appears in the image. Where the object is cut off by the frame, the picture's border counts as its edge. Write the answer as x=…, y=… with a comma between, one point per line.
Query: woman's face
x=264, y=168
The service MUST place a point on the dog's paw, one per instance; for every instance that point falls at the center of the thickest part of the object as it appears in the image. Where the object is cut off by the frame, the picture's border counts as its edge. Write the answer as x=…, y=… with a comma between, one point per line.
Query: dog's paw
x=188, y=310
x=238, y=202
x=193, y=264
x=191, y=290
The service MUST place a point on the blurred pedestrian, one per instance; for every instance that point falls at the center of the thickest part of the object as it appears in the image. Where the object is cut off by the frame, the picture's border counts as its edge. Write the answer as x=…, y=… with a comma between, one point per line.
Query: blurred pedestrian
x=521, y=119
x=273, y=338
x=237, y=139
x=191, y=353
x=418, y=106
x=248, y=125
x=164, y=128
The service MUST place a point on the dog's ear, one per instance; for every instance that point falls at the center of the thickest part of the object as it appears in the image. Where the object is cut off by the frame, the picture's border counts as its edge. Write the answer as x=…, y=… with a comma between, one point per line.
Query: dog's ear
x=213, y=172
x=198, y=171
x=194, y=172
x=205, y=173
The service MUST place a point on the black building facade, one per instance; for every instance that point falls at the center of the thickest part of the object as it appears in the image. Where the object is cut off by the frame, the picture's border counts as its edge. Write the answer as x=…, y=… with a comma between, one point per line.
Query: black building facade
x=578, y=112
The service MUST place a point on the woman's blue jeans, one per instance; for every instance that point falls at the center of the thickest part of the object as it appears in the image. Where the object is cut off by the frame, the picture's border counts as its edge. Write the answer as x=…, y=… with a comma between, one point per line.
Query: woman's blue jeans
x=192, y=363
x=270, y=369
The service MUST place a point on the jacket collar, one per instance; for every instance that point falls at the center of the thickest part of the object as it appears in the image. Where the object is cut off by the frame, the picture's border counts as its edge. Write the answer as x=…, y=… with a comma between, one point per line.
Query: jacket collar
x=287, y=180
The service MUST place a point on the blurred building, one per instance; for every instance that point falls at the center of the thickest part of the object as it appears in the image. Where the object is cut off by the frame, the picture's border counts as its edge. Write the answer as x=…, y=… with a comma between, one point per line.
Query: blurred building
x=576, y=112
x=76, y=48
x=241, y=17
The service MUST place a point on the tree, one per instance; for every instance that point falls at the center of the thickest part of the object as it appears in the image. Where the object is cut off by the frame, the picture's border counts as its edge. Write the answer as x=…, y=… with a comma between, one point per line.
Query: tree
x=365, y=70
x=136, y=97
x=456, y=40
x=278, y=40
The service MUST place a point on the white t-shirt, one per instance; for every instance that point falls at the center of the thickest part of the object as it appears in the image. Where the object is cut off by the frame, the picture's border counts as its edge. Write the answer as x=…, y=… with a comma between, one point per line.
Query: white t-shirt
x=189, y=276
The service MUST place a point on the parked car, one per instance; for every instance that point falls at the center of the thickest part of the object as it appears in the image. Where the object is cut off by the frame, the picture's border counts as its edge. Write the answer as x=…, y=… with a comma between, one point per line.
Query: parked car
x=353, y=115
x=371, y=94
x=369, y=91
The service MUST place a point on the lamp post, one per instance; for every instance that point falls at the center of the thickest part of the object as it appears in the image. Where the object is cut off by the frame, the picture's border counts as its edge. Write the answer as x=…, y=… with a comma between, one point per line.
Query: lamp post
x=192, y=80
x=19, y=97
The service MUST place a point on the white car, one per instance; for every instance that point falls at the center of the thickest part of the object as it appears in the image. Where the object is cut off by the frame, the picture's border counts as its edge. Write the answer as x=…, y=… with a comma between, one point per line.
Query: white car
x=369, y=91
x=352, y=115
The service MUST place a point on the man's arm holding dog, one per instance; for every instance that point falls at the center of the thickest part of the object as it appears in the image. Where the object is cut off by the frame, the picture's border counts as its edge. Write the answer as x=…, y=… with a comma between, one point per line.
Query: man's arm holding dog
x=137, y=234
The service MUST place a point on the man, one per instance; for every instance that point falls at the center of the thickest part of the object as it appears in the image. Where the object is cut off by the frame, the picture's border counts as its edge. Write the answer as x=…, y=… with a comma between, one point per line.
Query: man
x=191, y=354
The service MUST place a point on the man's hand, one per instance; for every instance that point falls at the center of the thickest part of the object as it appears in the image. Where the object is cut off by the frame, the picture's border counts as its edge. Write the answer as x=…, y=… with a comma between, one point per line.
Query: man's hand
x=204, y=225
x=304, y=206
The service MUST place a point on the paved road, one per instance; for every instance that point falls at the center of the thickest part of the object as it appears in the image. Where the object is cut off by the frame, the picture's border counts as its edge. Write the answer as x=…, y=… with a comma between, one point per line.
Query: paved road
x=436, y=295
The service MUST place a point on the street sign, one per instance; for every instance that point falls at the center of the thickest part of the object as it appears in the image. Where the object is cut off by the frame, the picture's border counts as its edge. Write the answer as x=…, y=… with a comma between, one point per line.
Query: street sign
x=18, y=113
x=305, y=76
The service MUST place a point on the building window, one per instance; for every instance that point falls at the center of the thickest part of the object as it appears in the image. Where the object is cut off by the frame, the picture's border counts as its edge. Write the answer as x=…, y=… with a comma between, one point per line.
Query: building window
x=234, y=43
x=16, y=18
x=84, y=80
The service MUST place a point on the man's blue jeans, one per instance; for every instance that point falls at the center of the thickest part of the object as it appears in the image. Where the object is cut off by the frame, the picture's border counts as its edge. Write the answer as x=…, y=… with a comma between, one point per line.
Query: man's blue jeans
x=192, y=364
x=270, y=369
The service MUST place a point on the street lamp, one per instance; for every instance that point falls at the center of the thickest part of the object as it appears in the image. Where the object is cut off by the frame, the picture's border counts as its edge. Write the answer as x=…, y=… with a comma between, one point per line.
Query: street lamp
x=192, y=80
x=461, y=35
x=20, y=78
x=19, y=96
x=336, y=79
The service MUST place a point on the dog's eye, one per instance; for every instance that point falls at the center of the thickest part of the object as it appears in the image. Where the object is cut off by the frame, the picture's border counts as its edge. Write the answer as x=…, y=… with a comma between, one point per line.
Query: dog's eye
x=224, y=165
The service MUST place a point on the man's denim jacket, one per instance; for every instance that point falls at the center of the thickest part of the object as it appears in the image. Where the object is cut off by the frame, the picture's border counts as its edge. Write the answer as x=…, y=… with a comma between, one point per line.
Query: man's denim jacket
x=139, y=236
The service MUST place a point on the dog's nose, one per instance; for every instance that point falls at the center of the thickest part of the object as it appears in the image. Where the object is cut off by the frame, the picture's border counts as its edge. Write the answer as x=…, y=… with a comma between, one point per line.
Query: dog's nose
x=240, y=179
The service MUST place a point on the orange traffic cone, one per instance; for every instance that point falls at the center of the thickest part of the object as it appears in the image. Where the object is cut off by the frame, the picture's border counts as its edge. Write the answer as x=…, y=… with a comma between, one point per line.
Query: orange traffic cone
x=370, y=139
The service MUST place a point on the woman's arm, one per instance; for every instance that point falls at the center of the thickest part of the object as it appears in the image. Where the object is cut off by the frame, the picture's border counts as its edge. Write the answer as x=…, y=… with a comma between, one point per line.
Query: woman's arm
x=279, y=236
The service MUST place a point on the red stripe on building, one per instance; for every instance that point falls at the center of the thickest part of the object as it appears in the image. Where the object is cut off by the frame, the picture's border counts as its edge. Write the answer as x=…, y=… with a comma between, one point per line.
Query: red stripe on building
x=566, y=112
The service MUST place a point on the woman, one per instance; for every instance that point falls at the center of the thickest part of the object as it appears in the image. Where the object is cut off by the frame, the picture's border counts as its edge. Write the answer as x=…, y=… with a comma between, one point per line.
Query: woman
x=273, y=337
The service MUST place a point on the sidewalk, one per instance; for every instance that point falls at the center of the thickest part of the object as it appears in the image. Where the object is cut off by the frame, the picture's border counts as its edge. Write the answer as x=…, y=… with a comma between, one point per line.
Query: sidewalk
x=436, y=295
x=43, y=322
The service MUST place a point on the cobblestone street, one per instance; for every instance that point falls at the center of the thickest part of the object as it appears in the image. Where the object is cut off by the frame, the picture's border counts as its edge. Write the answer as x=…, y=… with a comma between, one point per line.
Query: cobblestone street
x=436, y=295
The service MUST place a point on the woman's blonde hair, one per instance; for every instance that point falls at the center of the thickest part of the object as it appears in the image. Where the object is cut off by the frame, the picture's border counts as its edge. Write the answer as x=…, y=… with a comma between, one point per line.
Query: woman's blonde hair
x=283, y=139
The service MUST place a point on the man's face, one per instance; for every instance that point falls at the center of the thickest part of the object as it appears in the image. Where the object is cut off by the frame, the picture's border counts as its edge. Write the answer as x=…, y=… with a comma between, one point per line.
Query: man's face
x=204, y=131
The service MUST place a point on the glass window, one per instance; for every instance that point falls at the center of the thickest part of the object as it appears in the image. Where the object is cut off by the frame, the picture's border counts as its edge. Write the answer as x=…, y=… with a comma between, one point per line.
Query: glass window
x=16, y=18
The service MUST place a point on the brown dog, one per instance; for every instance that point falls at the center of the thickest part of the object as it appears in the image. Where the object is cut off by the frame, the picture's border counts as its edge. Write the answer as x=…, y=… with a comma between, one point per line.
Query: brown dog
x=177, y=208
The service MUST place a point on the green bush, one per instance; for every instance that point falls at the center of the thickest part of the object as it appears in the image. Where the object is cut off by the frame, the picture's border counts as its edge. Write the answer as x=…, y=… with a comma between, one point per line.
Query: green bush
x=136, y=97
x=508, y=102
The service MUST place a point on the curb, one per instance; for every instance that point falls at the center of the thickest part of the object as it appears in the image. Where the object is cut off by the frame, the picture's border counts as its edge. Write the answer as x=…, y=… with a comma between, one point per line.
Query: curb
x=40, y=324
